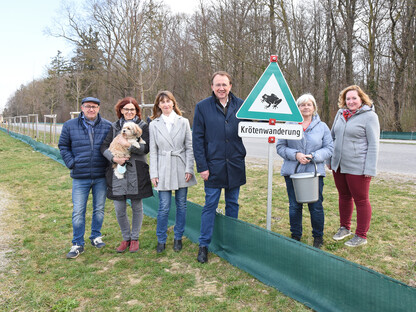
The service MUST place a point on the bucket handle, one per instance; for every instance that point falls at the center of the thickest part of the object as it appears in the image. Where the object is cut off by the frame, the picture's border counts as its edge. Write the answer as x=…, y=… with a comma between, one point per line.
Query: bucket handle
x=316, y=168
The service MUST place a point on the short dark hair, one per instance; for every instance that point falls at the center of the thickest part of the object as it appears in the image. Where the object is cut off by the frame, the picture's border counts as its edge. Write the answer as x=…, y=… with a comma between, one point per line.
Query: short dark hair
x=221, y=73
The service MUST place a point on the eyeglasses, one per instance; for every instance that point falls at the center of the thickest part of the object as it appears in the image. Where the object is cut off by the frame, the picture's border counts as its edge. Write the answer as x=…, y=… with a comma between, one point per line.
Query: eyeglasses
x=90, y=107
x=130, y=110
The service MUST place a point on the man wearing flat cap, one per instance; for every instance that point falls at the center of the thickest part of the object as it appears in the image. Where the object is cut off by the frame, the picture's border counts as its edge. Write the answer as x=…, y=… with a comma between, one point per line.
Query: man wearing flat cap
x=79, y=144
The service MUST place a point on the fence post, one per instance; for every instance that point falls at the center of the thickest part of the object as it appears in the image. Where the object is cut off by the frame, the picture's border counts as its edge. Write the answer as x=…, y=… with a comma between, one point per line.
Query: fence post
x=51, y=127
x=144, y=107
x=74, y=114
x=35, y=125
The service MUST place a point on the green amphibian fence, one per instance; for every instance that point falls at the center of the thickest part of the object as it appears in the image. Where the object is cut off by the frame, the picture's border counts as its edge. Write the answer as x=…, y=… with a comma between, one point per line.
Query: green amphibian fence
x=398, y=135
x=316, y=278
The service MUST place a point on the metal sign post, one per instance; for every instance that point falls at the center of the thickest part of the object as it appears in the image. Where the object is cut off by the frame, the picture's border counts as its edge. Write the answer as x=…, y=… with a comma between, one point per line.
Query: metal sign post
x=272, y=141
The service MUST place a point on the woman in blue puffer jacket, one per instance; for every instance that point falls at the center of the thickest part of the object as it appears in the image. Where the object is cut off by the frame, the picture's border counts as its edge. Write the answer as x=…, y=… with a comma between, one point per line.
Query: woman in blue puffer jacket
x=315, y=144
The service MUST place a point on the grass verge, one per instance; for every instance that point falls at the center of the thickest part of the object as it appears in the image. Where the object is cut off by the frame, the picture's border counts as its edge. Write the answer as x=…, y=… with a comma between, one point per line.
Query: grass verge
x=38, y=277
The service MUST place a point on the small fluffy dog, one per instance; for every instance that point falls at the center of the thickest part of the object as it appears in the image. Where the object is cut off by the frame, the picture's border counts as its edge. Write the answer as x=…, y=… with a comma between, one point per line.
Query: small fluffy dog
x=132, y=133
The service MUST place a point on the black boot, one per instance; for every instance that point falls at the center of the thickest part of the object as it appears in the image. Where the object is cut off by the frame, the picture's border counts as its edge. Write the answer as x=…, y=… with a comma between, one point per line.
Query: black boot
x=296, y=237
x=177, y=245
x=318, y=242
x=160, y=247
x=203, y=254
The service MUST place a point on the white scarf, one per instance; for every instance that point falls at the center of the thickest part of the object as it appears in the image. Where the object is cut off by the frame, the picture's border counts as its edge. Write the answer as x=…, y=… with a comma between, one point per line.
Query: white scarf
x=169, y=120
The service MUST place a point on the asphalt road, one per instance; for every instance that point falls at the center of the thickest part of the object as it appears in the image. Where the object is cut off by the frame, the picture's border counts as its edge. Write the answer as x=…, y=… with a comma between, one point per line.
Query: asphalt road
x=394, y=157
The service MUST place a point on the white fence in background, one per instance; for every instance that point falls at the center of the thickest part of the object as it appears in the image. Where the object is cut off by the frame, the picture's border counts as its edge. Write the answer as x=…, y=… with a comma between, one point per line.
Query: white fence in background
x=29, y=124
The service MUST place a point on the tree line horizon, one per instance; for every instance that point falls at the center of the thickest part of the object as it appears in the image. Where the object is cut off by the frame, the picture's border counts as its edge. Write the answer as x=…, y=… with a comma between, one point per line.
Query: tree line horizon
x=139, y=47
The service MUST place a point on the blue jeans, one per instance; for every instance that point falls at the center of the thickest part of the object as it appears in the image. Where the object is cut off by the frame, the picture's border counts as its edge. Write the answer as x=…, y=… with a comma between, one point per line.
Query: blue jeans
x=295, y=211
x=212, y=197
x=80, y=192
x=165, y=198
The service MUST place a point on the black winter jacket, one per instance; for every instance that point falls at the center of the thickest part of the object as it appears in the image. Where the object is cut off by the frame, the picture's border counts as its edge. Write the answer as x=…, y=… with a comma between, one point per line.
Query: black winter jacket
x=136, y=183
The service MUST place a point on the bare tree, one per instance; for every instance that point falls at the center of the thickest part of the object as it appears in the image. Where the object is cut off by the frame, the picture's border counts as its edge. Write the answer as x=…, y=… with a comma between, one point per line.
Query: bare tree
x=402, y=17
x=138, y=47
x=343, y=21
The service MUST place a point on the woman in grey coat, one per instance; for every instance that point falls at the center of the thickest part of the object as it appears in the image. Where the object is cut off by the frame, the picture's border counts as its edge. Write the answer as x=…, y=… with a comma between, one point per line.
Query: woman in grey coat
x=171, y=165
x=356, y=133
x=315, y=144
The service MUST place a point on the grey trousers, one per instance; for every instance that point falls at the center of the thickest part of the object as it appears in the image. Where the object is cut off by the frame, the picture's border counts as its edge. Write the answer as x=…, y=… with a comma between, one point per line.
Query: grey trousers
x=123, y=219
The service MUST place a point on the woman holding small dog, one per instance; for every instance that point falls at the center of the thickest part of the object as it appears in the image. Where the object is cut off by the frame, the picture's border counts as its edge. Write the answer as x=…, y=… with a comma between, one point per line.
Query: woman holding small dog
x=171, y=165
x=135, y=183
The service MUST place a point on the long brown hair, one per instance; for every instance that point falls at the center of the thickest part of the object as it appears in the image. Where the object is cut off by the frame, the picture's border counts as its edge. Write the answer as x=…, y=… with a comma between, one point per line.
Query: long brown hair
x=365, y=99
x=123, y=102
x=159, y=97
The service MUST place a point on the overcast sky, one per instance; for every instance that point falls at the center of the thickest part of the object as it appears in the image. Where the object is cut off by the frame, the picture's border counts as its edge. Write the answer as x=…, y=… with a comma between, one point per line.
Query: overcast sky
x=26, y=50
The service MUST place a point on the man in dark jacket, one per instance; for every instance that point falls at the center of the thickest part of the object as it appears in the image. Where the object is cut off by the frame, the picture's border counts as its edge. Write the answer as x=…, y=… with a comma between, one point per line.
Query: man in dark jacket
x=219, y=154
x=79, y=145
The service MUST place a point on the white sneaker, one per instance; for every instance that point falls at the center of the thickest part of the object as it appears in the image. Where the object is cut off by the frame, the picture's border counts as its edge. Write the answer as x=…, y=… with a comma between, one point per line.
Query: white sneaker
x=75, y=252
x=98, y=242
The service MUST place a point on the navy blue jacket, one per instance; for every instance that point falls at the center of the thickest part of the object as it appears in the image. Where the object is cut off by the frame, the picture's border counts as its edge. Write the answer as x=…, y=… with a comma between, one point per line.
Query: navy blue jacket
x=216, y=144
x=84, y=160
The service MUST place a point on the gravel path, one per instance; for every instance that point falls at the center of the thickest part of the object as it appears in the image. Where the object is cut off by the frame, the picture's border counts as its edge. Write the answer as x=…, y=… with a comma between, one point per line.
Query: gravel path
x=5, y=232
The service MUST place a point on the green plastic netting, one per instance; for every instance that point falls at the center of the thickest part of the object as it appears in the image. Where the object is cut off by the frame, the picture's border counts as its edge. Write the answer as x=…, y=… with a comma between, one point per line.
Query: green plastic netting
x=318, y=279
x=398, y=135
x=45, y=149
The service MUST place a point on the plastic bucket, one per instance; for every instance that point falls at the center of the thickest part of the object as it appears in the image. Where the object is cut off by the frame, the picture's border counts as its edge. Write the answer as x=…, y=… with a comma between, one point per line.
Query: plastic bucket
x=306, y=185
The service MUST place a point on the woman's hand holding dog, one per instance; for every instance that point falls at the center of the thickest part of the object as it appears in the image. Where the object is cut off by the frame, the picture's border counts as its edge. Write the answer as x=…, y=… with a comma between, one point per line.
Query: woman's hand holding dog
x=123, y=141
x=120, y=160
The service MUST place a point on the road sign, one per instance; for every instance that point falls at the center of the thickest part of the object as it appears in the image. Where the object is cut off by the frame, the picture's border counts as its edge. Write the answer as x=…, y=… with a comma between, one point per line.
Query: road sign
x=270, y=98
x=265, y=130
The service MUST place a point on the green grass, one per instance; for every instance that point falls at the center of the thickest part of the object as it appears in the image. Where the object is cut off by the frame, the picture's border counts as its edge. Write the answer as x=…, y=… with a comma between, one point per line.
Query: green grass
x=39, y=278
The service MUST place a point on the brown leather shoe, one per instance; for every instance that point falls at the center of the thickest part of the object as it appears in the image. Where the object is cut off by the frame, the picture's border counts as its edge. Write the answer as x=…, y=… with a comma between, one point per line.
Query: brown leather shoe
x=134, y=246
x=123, y=246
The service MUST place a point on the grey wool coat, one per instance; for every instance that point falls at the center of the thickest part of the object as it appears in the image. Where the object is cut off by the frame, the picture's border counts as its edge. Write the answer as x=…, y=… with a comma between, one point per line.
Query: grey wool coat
x=356, y=142
x=171, y=154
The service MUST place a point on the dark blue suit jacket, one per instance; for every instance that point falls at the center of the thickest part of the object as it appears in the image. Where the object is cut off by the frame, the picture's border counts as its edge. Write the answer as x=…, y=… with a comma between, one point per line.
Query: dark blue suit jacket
x=216, y=144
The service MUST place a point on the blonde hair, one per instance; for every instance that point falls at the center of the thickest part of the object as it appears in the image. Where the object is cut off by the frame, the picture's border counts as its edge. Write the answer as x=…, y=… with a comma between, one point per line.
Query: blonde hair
x=159, y=97
x=365, y=99
x=306, y=98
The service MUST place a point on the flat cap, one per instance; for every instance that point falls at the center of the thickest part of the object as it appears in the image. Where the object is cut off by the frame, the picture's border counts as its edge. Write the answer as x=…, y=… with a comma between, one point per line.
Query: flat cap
x=91, y=99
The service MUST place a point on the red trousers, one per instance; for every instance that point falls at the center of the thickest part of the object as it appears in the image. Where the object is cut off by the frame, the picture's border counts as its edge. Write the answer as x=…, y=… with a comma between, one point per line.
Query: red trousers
x=354, y=189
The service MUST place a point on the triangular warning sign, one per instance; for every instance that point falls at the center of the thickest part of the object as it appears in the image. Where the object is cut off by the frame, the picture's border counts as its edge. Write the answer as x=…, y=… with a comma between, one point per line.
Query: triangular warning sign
x=270, y=98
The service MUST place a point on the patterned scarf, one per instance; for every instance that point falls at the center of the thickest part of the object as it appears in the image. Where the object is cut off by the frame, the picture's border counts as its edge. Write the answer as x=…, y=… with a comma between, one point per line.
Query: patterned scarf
x=347, y=113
